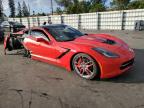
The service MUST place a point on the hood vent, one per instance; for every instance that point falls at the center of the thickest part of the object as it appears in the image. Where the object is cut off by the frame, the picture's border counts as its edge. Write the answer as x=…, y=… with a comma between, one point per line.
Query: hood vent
x=110, y=42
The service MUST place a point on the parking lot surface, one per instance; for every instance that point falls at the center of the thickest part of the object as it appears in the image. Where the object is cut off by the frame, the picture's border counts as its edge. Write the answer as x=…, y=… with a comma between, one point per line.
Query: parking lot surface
x=25, y=83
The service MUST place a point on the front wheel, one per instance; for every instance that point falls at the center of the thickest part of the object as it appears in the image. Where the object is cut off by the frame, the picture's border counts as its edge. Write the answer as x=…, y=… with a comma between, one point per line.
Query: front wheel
x=85, y=66
x=27, y=53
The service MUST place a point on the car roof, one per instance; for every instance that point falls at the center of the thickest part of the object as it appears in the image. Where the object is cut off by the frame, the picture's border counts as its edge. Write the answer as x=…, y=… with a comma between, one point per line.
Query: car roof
x=52, y=25
x=47, y=26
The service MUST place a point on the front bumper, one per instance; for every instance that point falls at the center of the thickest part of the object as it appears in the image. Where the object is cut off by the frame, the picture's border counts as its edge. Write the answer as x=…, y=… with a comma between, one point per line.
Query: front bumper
x=111, y=67
x=116, y=68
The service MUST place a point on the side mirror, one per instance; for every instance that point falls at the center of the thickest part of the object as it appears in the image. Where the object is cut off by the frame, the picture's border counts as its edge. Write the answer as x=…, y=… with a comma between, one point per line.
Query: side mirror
x=39, y=39
x=85, y=33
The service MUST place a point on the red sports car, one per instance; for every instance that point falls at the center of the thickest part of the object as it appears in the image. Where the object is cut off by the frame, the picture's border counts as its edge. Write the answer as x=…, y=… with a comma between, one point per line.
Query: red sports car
x=89, y=55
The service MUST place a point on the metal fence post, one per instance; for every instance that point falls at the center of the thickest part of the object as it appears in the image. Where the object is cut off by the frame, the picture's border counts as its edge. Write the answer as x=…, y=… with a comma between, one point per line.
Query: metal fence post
x=28, y=22
x=33, y=20
x=38, y=20
x=20, y=20
x=98, y=21
x=62, y=19
x=13, y=19
x=79, y=22
x=49, y=20
x=123, y=20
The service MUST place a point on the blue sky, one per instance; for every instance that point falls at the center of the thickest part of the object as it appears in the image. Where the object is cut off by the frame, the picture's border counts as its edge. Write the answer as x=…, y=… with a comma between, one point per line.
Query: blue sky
x=36, y=5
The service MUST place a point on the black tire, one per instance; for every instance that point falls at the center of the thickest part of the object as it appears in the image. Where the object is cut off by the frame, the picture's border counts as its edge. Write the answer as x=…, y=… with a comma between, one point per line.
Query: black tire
x=9, y=45
x=85, y=66
x=27, y=53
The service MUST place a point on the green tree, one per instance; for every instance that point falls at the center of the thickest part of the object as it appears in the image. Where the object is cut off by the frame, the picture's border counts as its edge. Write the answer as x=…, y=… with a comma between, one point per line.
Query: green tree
x=83, y=6
x=25, y=10
x=137, y=4
x=1, y=9
x=19, y=10
x=75, y=7
x=64, y=3
x=120, y=4
x=97, y=5
x=59, y=11
x=33, y=13
x=43, y=14
x=12, y=8
x=86, y=5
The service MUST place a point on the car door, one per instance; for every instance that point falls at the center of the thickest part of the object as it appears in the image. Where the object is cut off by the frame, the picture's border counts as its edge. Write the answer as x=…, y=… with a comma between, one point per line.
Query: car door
x=45, y=49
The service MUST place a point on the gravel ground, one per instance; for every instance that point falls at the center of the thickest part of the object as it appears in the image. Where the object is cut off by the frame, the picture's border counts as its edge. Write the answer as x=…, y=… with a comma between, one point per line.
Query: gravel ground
x=25, y=83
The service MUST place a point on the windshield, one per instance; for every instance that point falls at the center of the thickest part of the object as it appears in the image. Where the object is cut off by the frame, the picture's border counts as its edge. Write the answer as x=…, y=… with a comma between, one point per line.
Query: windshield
x=64, y=33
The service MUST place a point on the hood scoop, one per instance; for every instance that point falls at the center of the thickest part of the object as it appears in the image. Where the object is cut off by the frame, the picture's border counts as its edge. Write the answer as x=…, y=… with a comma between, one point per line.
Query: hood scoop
x=110, y=42
x=106, y=41
x=86, y=39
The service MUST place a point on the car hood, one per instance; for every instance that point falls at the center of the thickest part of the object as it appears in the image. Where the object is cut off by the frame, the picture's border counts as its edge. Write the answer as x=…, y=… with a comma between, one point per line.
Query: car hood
x=99, y=40
x=105, y=41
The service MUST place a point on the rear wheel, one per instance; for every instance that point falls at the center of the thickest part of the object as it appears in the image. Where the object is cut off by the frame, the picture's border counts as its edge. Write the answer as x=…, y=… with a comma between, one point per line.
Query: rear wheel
x=85, y=66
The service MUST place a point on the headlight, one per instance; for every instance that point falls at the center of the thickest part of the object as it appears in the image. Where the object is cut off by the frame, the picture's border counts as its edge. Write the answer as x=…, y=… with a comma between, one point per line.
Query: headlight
x=131, y=50
x=106, y=52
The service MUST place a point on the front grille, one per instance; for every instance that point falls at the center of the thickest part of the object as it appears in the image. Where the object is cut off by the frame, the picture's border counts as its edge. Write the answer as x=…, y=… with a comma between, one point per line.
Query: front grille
x=127, y=64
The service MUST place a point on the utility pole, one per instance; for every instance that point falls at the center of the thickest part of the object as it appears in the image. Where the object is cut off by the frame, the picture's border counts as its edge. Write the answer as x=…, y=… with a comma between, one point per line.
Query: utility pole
x=52, y=7
x=29, y=9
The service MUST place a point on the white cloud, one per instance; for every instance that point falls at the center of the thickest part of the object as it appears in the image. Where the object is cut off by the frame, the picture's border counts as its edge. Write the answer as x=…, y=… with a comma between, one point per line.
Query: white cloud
x=41, y=3
x=36, y=5
x=5, y=4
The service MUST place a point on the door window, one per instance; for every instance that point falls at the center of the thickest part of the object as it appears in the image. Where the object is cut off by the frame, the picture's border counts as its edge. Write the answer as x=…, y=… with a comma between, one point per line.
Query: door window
x=38, y=33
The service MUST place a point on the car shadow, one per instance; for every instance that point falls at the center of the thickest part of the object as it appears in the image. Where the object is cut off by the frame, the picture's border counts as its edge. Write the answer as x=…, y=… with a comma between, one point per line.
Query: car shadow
x=135, y=74
x=15, y=52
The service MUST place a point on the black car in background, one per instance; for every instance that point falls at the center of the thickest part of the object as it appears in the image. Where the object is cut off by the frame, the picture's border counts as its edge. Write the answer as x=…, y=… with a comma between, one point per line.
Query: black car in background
x=9, y=26
x=13, y=26
x=1, y=34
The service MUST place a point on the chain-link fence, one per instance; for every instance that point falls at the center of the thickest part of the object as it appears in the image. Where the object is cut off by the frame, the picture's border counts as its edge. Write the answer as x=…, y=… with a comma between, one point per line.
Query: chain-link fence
x=113, y=20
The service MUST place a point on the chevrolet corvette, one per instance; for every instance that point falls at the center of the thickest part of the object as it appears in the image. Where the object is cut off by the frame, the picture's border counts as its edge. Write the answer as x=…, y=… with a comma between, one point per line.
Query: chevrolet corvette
x=89, y=55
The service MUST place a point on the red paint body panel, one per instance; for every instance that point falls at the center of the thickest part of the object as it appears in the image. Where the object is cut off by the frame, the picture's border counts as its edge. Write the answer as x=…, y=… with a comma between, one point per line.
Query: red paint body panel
x=61, y=53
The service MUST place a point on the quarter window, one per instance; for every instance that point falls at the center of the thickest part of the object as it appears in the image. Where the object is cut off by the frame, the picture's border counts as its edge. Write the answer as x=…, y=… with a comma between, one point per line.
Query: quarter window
x=26, y=33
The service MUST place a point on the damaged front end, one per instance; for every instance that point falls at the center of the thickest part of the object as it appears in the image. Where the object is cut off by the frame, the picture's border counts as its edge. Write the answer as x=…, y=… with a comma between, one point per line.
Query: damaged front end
x=13, y=41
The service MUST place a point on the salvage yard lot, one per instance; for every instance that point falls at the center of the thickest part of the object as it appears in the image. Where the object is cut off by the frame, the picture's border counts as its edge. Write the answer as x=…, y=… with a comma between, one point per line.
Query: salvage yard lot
x=25, y=83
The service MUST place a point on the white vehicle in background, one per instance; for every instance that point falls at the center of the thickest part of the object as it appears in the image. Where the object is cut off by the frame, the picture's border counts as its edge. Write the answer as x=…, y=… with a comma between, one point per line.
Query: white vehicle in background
x=5, y=24
x=13, y=26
